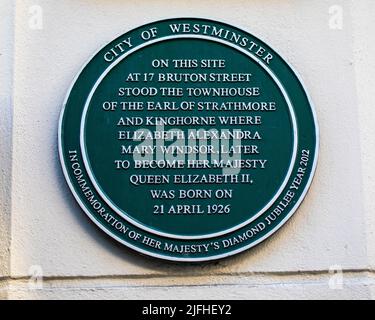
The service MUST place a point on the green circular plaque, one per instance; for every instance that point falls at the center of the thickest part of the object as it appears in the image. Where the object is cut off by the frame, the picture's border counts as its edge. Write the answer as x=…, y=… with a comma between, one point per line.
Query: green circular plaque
x=188, y=139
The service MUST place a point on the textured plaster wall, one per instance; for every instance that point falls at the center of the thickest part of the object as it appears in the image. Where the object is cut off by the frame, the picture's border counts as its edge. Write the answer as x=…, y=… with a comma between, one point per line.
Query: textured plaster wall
x=51, y=236
x=6, y=76
x=364, y=52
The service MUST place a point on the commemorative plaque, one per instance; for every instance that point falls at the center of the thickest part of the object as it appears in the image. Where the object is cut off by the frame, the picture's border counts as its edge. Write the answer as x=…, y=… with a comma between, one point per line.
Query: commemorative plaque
x=188, y=140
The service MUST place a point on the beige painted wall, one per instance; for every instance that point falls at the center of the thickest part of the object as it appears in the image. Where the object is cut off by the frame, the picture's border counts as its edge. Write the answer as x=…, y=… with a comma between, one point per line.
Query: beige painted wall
x=51, y=236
